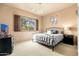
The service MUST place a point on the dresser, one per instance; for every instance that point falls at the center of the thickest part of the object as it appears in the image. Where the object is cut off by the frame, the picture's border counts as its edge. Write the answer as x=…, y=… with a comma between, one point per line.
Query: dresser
x=6, y=46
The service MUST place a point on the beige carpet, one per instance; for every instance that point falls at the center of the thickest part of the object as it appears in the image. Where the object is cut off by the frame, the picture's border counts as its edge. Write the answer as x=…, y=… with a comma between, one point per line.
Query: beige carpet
x=67, y=50
x=29, y=48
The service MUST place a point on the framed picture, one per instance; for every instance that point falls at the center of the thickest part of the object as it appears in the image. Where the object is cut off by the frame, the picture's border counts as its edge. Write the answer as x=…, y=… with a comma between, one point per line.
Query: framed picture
x=3, y=28
x=28, y=23
x=23, y=23
x=53, y=20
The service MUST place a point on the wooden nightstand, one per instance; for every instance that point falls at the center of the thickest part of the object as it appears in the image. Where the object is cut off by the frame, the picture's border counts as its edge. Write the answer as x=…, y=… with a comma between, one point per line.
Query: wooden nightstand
x=68, y=39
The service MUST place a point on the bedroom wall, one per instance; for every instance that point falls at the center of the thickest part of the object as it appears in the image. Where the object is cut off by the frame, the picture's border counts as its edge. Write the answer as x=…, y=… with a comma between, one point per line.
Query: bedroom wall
x=65, y=18
x=6, y=16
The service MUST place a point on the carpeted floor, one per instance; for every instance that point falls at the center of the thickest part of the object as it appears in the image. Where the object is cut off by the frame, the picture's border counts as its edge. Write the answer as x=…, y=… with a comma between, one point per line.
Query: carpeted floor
x=29, y=48
x=67, y=50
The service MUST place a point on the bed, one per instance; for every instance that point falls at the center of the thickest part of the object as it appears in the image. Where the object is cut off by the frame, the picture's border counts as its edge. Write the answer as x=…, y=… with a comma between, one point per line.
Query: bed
x=50, y=38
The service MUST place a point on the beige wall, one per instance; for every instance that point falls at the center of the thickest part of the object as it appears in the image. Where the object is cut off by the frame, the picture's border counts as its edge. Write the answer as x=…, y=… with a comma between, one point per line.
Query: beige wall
x=6, y=16
x=65, y=18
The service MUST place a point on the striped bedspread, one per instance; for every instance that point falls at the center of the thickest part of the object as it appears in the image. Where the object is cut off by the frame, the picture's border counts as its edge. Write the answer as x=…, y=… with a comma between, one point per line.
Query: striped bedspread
x=50, y=40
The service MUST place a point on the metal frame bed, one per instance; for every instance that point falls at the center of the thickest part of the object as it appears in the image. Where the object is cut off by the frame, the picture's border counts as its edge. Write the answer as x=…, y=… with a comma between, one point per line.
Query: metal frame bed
x=51, y=38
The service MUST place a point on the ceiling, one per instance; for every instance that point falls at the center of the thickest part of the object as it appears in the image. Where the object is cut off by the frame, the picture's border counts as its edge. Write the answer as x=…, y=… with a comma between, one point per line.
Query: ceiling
x=40, y=9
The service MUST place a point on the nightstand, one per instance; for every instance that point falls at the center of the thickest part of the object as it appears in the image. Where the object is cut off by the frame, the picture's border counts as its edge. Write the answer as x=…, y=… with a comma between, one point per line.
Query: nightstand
x=68, y=39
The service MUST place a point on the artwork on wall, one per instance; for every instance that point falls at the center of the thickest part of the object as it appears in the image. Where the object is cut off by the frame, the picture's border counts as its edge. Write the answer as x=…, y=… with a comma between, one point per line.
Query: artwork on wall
x=3, y=27
x=53, y=20
x=22, y=23
x=28, y=23
x=3, y=30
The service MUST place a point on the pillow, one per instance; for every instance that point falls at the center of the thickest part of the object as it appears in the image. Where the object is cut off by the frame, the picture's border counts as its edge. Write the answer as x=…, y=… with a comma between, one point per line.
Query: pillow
x=54, y=32
x=48, y=32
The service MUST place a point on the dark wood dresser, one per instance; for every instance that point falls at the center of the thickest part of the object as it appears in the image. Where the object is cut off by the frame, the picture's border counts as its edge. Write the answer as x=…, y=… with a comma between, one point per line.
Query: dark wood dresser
x=6, y=46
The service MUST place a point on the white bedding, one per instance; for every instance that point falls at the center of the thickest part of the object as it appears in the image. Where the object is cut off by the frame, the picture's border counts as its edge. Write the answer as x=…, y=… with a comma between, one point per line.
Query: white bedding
x=57, y=38
x=48, y=39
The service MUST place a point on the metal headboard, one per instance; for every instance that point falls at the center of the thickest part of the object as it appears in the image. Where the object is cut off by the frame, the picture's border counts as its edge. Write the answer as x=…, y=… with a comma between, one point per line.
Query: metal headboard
x=61, y=30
